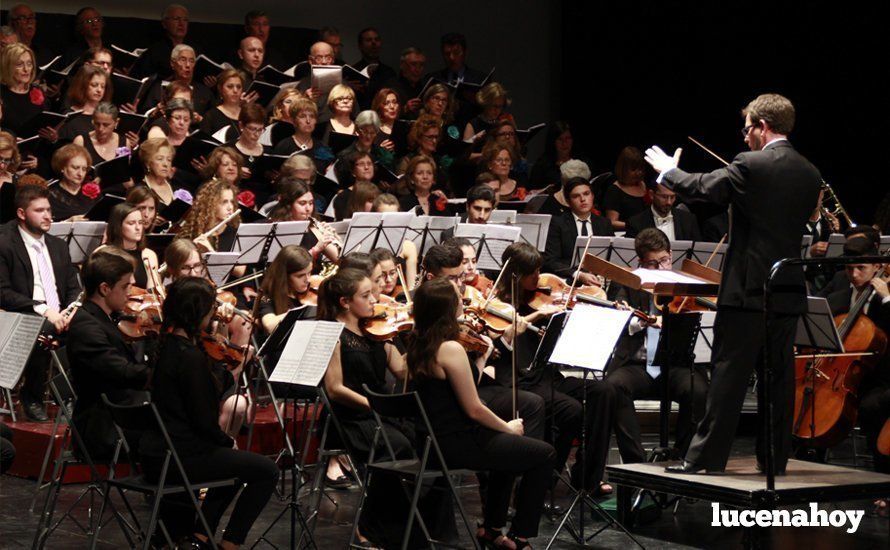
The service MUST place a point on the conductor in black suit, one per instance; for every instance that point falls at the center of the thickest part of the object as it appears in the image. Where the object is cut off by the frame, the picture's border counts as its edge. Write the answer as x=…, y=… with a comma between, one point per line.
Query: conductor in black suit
x=36, y=276
x=771, y=192
x=566, y=227
x=676, y=223
x=101, y=360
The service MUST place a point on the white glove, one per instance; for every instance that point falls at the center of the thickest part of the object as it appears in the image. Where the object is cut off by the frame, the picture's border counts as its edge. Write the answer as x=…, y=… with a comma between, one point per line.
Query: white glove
x=660, y=160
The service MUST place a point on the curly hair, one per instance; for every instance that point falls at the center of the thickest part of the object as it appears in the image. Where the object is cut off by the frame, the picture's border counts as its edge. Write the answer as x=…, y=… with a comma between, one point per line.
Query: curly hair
x=8, y=143
x=202, y=215
x=421, y=125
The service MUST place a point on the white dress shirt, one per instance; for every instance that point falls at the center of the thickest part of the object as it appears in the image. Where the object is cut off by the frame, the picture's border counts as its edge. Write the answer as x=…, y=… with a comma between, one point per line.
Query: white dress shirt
x=37, y=295
x=665, y=224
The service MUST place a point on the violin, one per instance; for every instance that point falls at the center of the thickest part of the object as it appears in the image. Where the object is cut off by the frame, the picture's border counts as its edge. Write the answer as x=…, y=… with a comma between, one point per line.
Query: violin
x=553, y=290
x=389, y=319
x=226, y=297
x=492, y=314
x=472, y=341
x=482, y=283
x=686, y=304
x=221, y=350
x=141, y=317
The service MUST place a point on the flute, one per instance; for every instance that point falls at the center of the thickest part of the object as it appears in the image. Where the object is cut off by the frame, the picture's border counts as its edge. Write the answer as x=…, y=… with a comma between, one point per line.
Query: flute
x=211, y=231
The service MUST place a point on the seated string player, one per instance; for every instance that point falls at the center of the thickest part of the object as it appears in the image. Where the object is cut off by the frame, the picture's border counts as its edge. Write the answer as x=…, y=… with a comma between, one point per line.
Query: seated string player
x=632, y=371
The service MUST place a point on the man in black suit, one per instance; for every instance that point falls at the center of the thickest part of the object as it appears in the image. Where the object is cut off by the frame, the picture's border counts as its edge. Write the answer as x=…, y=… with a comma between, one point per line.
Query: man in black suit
x=454, y=53
x=676, y=223
x=874, y=404
x=566, y=227
x=101, y=360
x=631, y=370
x=771, y=192
x=480, y=203
x=36, y=276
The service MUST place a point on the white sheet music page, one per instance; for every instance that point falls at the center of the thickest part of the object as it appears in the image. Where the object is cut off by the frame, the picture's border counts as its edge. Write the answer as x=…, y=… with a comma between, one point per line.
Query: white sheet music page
x=18, y=332
x=307, y=353
x=497, y=239
x=589, y=337
x=655, y=276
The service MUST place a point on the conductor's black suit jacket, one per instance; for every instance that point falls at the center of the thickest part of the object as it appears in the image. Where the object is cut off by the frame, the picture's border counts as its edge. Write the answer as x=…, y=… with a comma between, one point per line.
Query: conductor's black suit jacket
x=771, y=194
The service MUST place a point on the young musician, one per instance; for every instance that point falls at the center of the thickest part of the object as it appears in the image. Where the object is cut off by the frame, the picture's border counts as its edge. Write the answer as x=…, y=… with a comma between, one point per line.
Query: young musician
x=187, y=392
x=772, y=191
x=214, y=203
x=100, y=360
x=348, y=297
x=874, y=404
x=678, y=224
x=632, y=371
x=298, y=205
x=469, y=433
x=285, y=284
x=562, y=394
x=389, y=266
x=36, y=276
x=579, y=221
x=126, y=231
x=481, y=201
x=472, y=276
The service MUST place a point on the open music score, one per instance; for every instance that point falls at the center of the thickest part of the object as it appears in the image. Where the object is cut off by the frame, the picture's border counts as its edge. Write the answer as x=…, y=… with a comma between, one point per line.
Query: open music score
x=18, y=333
x=307, y=353
x=693, y=279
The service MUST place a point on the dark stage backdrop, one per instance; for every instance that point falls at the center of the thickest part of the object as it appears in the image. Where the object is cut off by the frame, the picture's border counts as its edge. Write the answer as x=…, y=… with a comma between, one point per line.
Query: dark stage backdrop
x=643, y=73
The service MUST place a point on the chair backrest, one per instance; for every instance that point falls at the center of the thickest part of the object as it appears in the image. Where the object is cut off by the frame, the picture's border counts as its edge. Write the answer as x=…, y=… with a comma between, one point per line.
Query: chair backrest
x=137, y=416
x=61, y=389
x=396, y=405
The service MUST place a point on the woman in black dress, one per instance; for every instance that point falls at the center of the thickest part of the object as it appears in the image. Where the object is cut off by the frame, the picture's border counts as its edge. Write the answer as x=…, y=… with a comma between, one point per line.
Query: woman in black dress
x=69, y=198
x=89, y=87
x=285, y=286
x=126, y=231
x=186, y=388
x=230, y=88
x=347, y=296
x=22, y=99
x=298, y=205
x=420, y=177
x=103, y=142
x=304, y=116
x=469, y=433
x=628, y=196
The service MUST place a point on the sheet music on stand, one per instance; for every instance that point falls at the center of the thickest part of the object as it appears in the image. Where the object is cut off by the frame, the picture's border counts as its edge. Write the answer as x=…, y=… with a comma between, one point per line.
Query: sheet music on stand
x=805, y=243
x=489, y=240
x=86, y=237
x=835, y=245
x=600, y=247
x=251, y=237
x=219, y=265
x=704, y=341
x=534, y=229
x=503, y=217
x=701, y=251
x=61, y=230
x=884, y=245
x=816, y=328
x=624, y=253
x=589, y=338
x=18, y=333
x=370, y=230
x=341, y=227
x=426, y=231
x=276, y=340
x=307, y=353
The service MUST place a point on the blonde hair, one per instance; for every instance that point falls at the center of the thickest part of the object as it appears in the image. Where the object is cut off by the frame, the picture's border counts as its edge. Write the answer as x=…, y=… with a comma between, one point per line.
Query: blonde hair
x=340, y=91
x=8, y=143
x=416, y=161
x=300, y=105
x=150, y=148
x=278, y=102
x=490, y=93
x=9, y=56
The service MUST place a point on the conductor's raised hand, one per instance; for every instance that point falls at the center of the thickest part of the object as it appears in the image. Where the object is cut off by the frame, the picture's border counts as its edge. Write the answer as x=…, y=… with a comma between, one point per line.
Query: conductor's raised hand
x=661, y=161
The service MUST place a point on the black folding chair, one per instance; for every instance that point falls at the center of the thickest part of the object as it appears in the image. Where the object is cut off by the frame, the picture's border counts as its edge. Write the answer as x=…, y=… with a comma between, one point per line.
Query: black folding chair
x=411, y=471
x=72, y=452
x=142, y=416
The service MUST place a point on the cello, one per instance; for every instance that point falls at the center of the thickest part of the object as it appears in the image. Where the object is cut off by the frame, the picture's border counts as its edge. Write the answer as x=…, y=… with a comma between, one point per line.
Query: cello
x=826, y=388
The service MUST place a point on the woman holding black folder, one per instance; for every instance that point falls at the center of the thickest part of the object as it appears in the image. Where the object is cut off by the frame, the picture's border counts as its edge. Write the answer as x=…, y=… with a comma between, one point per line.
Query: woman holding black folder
x=69, y=198
x=229, y=87
x=89, y=87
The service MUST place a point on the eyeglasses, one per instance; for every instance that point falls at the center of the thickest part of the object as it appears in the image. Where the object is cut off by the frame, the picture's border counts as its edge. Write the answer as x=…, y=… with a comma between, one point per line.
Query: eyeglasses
x=344, y=99
x=431, y=137
x=177, y=19
x=747, y=129
x=5, y=161
x=502, y=161
x=367, y=130
x=192, y=268
x=24, y=18
x=665, y=262
x=254, y=129
x=24, y=65
x=438, y=99
x=93, y=20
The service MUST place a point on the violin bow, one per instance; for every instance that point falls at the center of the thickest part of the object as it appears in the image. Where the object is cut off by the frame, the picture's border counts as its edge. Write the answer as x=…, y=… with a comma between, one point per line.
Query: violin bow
x=495, y=285
x=577, y=274
x=253, y=325
x=404, y=286
x=154, y=286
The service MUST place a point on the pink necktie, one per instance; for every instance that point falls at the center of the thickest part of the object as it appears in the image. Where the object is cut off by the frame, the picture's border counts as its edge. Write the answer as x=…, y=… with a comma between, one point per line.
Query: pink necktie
x=47, y=278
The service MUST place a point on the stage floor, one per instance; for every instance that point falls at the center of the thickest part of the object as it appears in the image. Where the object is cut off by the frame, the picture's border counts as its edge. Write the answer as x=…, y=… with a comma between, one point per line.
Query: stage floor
x=688, y=528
